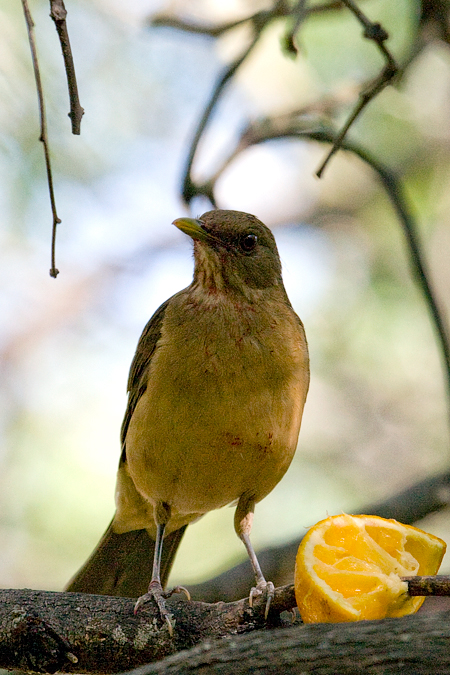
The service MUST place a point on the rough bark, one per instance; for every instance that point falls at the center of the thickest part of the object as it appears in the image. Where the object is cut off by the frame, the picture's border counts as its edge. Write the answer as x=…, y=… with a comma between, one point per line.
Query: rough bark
x=414, y=645
x=73, y=632
x=70, y=632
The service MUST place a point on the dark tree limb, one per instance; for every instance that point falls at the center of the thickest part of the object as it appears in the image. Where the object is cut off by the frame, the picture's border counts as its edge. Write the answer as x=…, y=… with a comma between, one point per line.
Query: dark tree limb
x=79, y=633
x=189, y=189
x=280, y=9
x=43, y=135
x=413, y=645
x=72, y=632
x=394, y=190
x=58, y=13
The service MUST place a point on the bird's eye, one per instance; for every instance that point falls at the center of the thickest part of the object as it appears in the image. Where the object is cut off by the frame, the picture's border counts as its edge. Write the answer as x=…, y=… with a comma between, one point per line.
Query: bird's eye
x=248, y=242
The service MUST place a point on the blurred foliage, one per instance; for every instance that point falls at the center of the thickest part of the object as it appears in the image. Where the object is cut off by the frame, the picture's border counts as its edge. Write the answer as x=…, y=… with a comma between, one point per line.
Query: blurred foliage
x=376, y=418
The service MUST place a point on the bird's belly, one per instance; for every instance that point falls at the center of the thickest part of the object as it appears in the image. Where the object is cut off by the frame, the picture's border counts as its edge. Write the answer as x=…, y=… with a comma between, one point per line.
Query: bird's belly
x=206, y=446
x=221, y=414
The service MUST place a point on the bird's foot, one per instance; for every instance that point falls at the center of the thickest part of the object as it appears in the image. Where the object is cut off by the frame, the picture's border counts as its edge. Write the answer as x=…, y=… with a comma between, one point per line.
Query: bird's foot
x=159, y=595
x=262, y=587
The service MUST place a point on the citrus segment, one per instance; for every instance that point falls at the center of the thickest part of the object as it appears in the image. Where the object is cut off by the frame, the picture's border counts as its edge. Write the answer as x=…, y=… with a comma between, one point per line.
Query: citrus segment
x=348, y=568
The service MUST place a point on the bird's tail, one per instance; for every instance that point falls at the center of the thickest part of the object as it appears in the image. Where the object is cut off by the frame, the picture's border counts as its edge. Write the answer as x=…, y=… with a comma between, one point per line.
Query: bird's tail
x=122, y=564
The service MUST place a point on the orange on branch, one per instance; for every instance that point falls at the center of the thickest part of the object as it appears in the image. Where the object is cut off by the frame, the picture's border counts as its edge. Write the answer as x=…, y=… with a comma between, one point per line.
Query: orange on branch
x=349, y=568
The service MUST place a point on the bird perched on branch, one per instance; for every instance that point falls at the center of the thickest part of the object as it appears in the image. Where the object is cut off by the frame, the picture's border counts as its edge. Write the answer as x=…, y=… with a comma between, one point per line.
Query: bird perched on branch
x=216, y=394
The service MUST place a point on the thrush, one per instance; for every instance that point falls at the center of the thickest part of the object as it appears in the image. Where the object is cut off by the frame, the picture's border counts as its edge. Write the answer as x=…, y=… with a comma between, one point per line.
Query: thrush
x=215, y=400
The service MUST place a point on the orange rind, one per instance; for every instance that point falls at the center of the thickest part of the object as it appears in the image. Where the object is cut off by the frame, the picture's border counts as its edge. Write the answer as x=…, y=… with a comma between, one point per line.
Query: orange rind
x=349, y=568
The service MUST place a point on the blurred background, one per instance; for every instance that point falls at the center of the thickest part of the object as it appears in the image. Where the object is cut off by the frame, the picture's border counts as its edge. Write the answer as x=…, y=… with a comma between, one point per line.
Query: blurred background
x=376, y=419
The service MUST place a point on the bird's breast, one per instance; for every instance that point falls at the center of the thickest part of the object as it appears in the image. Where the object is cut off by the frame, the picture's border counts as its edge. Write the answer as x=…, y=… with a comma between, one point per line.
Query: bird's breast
x=222, y=409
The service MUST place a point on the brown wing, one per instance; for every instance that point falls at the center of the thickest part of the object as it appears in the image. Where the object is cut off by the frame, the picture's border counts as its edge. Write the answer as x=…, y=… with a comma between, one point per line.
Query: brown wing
x=122, y=563
x=137, y=379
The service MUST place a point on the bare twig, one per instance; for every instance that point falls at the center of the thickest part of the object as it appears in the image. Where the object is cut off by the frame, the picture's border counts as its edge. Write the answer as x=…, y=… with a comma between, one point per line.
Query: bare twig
x=299, y=12
x=258, y=21
x=58, y=13
x=375, y=32
x=395, y=192
x=372, y=31
x=168, y=21
x=279, y=9
x=426, y=586
x=43, y=135
x=189, y=189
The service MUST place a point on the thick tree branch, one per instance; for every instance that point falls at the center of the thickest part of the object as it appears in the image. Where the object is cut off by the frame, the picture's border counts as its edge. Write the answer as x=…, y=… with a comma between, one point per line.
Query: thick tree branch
x=73, y=632
x=413, y=645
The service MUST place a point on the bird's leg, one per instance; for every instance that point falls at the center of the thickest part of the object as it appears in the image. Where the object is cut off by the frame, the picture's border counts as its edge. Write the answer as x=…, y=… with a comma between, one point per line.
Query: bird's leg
x=243, y=520
x=155, y=590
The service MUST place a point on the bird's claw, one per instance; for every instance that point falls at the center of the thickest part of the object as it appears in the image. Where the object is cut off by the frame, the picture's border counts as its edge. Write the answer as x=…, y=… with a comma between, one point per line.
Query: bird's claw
x=178, y=589
x=292, y=615
x=261, y=587
x=159, y=595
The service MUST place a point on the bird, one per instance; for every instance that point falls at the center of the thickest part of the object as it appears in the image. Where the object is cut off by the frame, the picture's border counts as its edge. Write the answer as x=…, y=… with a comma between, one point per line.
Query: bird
x=216, y=392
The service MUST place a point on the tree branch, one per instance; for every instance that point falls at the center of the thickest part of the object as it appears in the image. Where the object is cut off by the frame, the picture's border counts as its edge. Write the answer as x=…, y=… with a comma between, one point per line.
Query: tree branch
x=298, y=12
x=279, y=9
x=417, y=645
x=79, y=633
x=43, y=135
x=372, y=31
x=58, y=13
x=188, y=189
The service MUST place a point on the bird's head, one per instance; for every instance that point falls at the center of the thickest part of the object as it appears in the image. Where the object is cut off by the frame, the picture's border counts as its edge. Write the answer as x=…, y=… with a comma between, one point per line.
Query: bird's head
x=234, y=251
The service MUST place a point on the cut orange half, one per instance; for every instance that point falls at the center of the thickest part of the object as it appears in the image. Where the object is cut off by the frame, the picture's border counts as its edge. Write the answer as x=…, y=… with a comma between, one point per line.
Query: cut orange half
x=348, y=568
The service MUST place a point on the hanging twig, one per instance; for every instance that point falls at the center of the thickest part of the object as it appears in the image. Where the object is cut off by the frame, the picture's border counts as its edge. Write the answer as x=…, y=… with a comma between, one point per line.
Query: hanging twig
x=189, y=190
x=43, y=135
x=299, y=12
x=259, y=21
x=58, y=13
x=375, y=32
